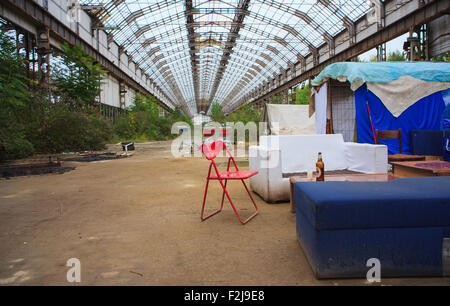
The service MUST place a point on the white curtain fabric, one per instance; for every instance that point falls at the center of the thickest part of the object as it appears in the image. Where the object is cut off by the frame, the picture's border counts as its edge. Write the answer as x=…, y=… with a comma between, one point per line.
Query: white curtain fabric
x=403, y=92
x=321, y=99
x=289, y=119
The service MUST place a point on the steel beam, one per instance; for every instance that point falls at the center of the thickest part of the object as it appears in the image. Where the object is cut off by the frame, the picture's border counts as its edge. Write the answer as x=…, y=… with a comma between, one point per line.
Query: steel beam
x=192, y=50
x=239, y=16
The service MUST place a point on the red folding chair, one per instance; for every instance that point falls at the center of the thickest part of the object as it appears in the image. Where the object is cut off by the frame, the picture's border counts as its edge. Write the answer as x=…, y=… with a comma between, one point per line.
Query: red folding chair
x=210, y=151
x=208, y=133
x=224, y=133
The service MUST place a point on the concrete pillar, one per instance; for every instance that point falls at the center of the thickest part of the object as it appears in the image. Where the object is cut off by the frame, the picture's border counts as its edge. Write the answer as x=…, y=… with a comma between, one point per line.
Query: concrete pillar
x=122, y=93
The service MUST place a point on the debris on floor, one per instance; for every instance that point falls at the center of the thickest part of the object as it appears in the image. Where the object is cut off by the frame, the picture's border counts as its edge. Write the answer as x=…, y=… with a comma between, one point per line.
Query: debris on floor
x=7, y=171
x=95, y=157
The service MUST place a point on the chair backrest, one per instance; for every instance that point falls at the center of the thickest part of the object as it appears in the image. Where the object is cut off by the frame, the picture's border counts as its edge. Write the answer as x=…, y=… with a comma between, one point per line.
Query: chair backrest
x=390, y=134
x=211, y=150
x=299, y=152
x=208, y=133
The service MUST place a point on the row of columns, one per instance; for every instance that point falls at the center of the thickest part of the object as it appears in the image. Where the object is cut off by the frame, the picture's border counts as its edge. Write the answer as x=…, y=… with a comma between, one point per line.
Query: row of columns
x=37, y=52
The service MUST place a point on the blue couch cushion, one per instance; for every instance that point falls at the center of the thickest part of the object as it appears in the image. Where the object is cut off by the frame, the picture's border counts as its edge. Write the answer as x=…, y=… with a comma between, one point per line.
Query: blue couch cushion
x=409, y=202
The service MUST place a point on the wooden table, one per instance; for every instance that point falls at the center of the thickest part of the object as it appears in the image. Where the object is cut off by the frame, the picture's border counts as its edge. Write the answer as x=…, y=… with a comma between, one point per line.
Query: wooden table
x=379, y=177
x=404, y=157
x=421, y=168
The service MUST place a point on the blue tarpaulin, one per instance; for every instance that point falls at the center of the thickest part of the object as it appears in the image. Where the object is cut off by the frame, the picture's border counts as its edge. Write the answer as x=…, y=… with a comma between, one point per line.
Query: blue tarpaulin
x=426, y=114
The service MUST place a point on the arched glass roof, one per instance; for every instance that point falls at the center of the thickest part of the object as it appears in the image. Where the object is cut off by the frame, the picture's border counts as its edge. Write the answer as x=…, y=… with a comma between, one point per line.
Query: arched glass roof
x=204, y=51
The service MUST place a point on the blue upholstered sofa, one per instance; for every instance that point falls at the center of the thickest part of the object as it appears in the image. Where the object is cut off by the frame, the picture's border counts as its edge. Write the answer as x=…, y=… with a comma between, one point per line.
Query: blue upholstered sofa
x=403, y=223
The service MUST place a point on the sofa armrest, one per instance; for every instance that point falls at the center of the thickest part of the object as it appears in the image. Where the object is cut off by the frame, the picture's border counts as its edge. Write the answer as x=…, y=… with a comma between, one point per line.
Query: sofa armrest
x=366, y=158
x=264, y=158
x=268, y=163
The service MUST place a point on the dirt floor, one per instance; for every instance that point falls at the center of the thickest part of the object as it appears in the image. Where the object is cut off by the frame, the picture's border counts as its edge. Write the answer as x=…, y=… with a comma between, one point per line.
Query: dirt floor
x=136, y=221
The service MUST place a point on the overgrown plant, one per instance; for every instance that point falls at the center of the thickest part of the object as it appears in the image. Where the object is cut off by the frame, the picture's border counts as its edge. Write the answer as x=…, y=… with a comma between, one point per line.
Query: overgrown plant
x=13, y=80
x=144, y=121
x=302, y=95
x=77, y=78
x=217, y=114
x=29, y=123
x=245, y=113
x=14, y=95
x=394, y=56
x=71, y=122
x=442, y=58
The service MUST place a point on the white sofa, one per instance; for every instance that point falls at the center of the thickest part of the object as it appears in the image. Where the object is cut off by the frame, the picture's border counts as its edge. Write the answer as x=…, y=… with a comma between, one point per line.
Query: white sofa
x=288, y=154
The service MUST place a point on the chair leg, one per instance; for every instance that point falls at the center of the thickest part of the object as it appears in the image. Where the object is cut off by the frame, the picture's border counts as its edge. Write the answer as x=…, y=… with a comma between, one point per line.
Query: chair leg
x=253, y=201
x=234, y=208
x=223, y=194
x=204, y=202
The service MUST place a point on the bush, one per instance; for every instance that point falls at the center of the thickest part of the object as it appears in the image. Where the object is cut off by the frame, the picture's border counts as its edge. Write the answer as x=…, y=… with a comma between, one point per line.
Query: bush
x=144, y=122
x=13, y=97
x=13, y=141
x=303, y=95
x=123, y=128
x=245, y=113
x=32, y=122
x=77, y=78
x=217, y=114
x=68, y=131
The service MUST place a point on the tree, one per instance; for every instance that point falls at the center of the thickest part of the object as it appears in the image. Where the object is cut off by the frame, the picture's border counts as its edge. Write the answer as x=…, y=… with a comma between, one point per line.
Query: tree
x=217, y=114
x=245, y=113
x=442, y=58
x=78, y=78
x=28, y=124
x=276, y=99
x=396, y=56
x=303, y=95
x=373, y=58
x=14, y=96
x=143, y=121
x=13, y=80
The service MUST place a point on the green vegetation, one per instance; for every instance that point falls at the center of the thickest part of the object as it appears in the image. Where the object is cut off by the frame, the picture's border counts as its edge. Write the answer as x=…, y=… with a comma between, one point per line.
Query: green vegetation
x=67, y=120
x=35, y=119
x=373, y=58
x=13, y=94
x=303, y=95
x=31, y=121
x=395, y=56
x=245, y=113
x=276, y=99
x=77, y=79
x=398, y=56
x=143, y=121
x=217, y=114
x=442, y=58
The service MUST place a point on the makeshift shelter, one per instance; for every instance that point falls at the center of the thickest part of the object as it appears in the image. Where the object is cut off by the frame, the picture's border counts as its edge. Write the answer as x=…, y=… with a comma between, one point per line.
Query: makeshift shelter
x=355, y=99
x=292, y=150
